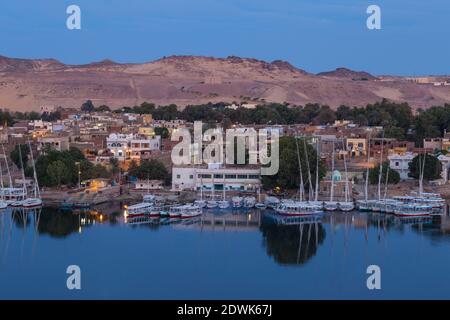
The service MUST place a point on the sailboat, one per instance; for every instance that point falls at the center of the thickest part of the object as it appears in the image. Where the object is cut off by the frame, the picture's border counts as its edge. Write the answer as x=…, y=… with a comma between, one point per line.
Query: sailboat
x=201, y=203
x=259, y=204
x=3, y=203
x=19, y=203
x=211, y=204
x=366, y=204
x=331, y=205
x=36, y=200
x=224, y=204
x=346, y=205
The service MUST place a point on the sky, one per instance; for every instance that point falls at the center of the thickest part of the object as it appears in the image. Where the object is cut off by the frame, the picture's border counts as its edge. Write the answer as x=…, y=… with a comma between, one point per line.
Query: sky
x=315, y=35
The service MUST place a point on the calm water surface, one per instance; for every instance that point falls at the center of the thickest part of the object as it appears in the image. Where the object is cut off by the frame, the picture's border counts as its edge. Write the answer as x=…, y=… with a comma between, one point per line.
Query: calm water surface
x=229, y=255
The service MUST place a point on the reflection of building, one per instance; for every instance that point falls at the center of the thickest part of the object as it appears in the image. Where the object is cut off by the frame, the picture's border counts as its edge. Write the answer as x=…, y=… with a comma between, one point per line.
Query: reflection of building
x=230, y=178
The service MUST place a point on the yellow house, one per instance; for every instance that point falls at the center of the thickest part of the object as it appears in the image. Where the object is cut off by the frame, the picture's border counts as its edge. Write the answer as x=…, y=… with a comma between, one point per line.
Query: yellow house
x=147, y=131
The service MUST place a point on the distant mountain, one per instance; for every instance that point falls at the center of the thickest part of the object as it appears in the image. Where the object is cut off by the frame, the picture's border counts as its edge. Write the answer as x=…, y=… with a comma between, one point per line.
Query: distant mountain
x=348, y=74
x=27, y=84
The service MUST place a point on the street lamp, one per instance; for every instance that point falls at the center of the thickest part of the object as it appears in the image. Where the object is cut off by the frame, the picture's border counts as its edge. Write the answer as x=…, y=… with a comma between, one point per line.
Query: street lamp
x=79, y=174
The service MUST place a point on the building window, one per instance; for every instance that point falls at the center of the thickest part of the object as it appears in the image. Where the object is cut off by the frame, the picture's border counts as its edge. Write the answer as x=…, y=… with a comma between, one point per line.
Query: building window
x=253, y=176
x=242, y=176
x=191, y=176
x=218, y=176
x=230, y=176
x=206, y=176
x=397, y=164
x=178, y=176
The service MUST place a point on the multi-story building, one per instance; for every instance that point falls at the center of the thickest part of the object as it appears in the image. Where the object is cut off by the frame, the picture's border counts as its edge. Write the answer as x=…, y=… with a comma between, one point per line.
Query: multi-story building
x=130, y=146
x=215, y=176
x=400, y=163
x=58, y=143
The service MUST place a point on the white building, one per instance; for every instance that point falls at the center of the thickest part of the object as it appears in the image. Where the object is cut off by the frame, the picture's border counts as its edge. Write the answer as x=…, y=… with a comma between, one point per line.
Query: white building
x=445, y=161
x=400, y=163
x=131, y=146
x=230, y=178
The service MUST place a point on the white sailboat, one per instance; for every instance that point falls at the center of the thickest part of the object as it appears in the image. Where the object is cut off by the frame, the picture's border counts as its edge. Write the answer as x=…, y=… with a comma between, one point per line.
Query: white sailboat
x=201, y=203
x=331, y=205
x=224, y=203
x=36, y=200
x=346, y=205
x=20, y=202
x=211, y=204
x=259, y=204
x=366, y=204
x=3, y=203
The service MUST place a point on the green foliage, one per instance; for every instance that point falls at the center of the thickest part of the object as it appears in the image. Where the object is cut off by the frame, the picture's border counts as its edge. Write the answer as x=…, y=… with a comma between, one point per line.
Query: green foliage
x=162, y=131
x=149, y=169
x=393, y=176
x=103, y=108
x=432, y=167
x=58, y=173
x=67, y=164
x=15, y=155
x=288, y=176
x=88, y=106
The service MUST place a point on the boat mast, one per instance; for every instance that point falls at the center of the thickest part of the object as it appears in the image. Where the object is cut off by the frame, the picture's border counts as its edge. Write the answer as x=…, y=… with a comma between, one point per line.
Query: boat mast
x=7, y=167
x=37, y=192
x=346, y=174
x=332, y=175
x=301, y=187
x=316, y=195
x=381, y=167
x=1, y=182
x=310, y=188
x=23, y=171
x=366, y=187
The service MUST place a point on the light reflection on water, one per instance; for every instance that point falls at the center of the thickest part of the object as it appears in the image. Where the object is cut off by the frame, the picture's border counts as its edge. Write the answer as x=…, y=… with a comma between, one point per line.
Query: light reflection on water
x=259, y=252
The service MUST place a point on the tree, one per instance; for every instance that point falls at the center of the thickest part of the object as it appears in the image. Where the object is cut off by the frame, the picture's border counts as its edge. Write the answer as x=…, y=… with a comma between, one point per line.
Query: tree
x=393, y=176
x=58, y=173
x=149, y=169
x=432, y=167
x=88, y=106
x=288, y=176
x=162, y=131
x=15, y=155
x=103, y=108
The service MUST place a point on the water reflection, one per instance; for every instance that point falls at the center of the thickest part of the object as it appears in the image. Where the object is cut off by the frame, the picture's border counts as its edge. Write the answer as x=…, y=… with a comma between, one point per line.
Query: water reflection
x=289, y=241
x=292, y=240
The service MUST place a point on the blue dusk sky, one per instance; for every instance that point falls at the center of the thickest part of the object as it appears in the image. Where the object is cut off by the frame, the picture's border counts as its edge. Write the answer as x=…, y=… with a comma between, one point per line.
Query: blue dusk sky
x=316, y=35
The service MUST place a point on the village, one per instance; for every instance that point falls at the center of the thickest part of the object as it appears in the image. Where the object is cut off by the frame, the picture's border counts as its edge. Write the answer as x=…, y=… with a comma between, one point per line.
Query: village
x=124, y=156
